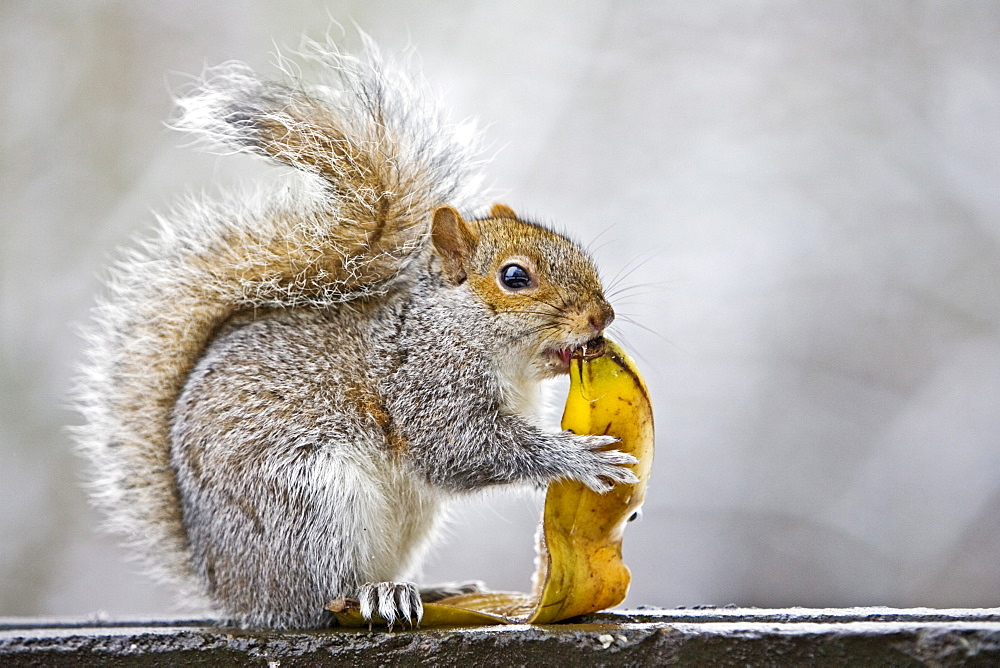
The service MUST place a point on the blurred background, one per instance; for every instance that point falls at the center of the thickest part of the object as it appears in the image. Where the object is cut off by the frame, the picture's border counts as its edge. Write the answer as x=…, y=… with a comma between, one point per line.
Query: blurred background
x=803, y=196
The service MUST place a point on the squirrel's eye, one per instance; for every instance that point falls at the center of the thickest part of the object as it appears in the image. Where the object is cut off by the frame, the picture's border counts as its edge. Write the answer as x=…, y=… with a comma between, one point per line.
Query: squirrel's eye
x=515, y=277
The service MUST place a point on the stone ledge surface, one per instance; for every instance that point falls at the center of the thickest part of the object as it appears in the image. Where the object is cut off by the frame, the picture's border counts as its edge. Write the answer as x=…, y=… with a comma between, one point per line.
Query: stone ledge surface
x=644, y=637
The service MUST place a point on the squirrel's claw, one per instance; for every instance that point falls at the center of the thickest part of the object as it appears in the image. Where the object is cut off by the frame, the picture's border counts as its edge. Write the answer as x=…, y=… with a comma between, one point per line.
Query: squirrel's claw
x=613, y=463
x=609, y=467
x=392, y=601
x=595, y=442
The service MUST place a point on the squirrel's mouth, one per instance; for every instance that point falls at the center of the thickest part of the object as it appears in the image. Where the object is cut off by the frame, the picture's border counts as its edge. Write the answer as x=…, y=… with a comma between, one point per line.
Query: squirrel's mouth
x=558, y=359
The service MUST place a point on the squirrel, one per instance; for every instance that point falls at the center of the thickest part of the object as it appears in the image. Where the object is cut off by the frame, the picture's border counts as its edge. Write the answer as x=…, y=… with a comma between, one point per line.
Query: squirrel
x=285, y=389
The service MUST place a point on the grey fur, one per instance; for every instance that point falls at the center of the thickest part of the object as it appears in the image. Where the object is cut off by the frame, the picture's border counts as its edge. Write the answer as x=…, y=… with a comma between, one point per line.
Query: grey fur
x=284, y=392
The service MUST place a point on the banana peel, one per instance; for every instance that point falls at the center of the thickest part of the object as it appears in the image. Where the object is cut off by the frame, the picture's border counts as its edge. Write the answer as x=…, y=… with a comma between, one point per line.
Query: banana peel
x=579, y=565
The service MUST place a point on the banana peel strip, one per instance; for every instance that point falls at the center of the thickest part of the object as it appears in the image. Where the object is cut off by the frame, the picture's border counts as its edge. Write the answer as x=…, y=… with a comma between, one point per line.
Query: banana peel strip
x=579, y=566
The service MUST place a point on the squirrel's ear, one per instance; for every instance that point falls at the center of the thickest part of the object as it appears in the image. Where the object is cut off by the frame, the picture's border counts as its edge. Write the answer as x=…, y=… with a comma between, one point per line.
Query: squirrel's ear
x=502, y=211
x=454, y=242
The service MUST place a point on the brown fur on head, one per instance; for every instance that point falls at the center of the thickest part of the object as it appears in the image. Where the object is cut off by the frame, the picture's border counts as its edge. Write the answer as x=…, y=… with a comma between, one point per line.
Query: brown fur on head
x=544, y=288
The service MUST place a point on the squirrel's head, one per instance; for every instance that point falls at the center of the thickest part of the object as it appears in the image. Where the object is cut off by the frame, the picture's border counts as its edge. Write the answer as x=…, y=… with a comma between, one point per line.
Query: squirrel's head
x=543, y=288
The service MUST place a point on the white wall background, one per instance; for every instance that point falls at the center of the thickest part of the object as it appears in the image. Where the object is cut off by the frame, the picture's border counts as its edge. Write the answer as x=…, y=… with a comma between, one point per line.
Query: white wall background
x=807, y=194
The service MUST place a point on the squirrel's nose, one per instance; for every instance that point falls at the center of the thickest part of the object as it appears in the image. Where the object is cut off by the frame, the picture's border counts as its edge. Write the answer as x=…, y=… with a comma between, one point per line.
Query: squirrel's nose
x=601, y=317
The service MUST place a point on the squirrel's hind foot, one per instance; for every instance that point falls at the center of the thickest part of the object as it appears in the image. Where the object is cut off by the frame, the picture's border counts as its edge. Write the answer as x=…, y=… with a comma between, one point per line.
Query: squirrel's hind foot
x=392, y=601
x=441, y=591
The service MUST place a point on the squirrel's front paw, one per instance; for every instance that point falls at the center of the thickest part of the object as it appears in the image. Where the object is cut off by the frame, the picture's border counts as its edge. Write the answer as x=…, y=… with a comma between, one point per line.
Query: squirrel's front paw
x=604, y=468
x=392, y=601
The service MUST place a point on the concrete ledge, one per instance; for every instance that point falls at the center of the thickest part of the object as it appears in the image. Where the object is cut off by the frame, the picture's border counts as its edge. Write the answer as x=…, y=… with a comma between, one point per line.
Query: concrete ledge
x=697, y=637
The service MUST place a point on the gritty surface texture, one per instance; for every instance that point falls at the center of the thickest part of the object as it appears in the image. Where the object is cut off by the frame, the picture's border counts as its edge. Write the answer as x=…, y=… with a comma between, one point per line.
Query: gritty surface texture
x=711, y=636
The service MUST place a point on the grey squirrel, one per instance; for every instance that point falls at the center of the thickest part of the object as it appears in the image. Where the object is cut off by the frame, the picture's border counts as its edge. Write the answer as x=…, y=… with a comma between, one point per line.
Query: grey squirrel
x=285, y=389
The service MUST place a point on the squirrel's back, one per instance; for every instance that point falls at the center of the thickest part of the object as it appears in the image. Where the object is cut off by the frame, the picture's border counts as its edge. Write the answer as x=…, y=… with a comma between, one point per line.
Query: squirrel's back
x=375, y=159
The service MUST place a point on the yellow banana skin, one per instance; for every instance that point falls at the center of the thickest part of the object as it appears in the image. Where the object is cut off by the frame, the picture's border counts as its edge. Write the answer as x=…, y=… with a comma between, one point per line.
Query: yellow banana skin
x=583, y=530
x=580, y=567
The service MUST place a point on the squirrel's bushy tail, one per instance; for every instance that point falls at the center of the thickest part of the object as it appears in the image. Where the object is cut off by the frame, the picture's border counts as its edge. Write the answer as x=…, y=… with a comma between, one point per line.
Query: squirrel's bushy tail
x=377, y=156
